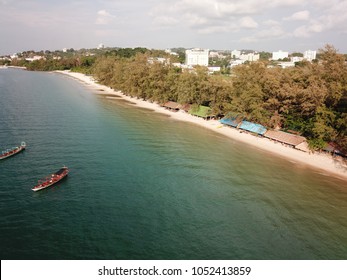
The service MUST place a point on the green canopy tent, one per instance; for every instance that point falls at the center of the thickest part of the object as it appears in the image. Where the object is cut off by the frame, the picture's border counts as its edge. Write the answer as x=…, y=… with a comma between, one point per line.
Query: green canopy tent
x=201, y=111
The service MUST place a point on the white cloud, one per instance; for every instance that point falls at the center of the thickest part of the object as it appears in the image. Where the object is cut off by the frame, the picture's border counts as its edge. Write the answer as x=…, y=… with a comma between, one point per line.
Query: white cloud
x=214, y=8
x=194, y=19
x=248, y=22
x=218, y=29
x=302, y=32
x=212, y=23
x=299, y=16
x=335, y=16
x=274, y=32
x=332, y=18
x=207, y=16
x=309, y=29
x=103, y=17
x=165, y=21
x=5, y=2
x=271, y=22
x=282, y=3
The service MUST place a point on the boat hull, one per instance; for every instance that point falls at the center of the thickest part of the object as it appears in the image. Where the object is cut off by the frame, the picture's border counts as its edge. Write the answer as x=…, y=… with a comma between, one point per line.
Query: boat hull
x=12, y=152
x=52, y=180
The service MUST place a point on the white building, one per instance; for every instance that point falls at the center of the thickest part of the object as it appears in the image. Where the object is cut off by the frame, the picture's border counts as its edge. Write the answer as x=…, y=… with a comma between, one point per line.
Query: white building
x=279, y=55
x=235, y=54
x=171, y=52
x=212, y=69
x=236, y=62
x=310, y=55
x=197, y=57
x=217, y=55
x=214, y=54
x=238, y=57
x=286, y=64
x=101, y=46
x=162, y=60
x=35, y=57
x=296, y=59
x=249, y=56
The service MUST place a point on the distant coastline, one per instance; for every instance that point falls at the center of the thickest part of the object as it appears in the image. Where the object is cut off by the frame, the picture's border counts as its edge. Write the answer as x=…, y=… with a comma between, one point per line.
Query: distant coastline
x=325, y=163
x=16, y=67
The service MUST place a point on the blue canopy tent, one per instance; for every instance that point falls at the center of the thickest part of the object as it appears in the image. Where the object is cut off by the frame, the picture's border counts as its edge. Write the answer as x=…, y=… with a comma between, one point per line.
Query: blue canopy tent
x=231, y=121
x=253, y=127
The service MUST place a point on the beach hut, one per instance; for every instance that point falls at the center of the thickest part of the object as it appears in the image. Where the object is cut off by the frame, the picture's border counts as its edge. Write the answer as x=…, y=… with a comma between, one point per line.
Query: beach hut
x=186, y=107
x=303, y=147
x=334, y=148
x=201, y=111
x=173, y=106
x=233, y=121
x=253, y=127
x=296, y=141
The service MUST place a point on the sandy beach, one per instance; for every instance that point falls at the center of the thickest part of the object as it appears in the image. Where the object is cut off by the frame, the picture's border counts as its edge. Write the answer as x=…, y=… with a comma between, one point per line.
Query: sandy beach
x=324, y=163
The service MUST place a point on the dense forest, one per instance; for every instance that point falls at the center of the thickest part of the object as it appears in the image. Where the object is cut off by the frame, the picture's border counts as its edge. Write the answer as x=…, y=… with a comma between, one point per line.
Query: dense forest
x=310, y=98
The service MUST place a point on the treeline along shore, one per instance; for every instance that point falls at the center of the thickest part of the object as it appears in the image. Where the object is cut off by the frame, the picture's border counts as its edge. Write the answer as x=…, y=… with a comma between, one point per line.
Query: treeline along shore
x=309, y=99
x=328, y=164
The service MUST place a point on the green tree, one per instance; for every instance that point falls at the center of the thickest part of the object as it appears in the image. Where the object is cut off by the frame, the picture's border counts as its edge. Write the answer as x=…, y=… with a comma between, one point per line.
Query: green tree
x=334, y=74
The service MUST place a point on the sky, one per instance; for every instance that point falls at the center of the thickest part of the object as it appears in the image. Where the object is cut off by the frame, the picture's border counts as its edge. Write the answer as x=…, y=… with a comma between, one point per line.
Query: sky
x=260, y=25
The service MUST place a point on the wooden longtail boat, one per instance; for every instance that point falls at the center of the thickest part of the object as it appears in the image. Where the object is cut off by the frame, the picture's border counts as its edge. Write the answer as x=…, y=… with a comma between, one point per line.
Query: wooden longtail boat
x=13, y=151
x=51, y=179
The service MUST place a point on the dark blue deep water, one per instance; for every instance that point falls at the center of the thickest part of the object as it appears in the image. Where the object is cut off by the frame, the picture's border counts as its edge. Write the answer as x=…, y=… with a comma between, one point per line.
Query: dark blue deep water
x=144, y=186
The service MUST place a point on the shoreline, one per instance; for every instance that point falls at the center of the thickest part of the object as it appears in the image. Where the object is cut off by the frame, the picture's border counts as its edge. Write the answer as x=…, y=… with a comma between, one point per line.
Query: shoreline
x=327, y=164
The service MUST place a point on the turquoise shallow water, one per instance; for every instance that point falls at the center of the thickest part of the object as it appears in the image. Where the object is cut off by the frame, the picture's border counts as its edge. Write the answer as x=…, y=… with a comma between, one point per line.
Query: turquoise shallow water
x=144, y=186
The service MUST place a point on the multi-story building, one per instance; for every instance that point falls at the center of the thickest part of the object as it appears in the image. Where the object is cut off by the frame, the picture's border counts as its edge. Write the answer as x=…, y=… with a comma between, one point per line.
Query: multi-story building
x=197, y=57
x=279, y=55
x=295, y=59
x=310, y=55
x=171, y=52
x=235, y=54
x=240, y=57
x=235, y=62
x=249, y=56
x=35, y=57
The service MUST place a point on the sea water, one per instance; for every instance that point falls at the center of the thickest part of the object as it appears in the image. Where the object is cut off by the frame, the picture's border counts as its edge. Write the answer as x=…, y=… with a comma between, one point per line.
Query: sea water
x=145, y=186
